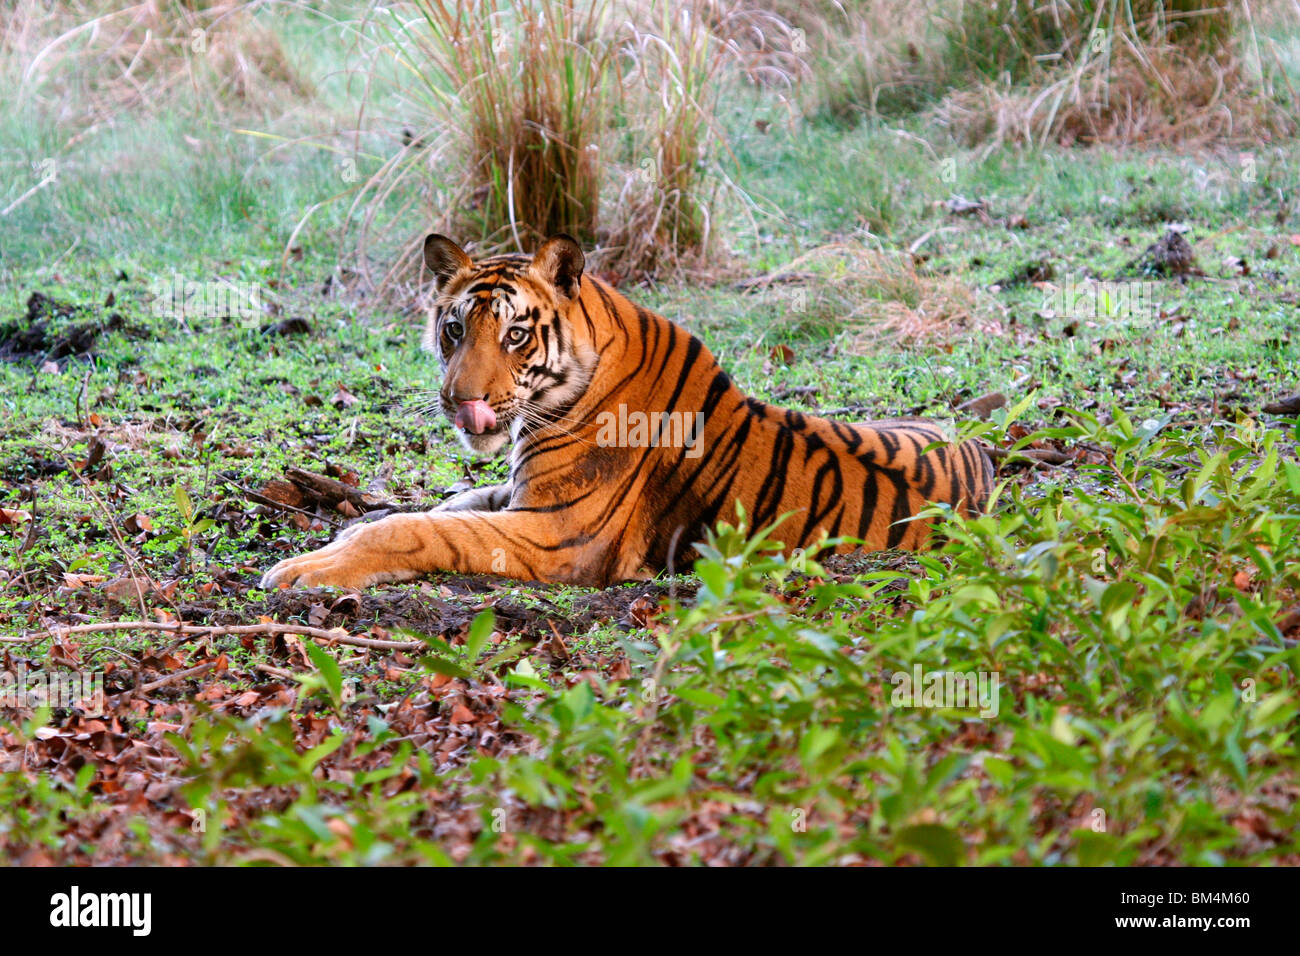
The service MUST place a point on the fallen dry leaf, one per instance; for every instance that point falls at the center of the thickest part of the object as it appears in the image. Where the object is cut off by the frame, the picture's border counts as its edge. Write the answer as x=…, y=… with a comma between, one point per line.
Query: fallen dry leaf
x=343, y=398
x=76, y=581
x=13, y=517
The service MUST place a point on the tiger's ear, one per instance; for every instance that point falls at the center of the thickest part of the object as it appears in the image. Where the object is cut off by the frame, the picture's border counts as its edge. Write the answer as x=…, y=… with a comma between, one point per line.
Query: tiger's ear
x=559, y=262
x=444, y=259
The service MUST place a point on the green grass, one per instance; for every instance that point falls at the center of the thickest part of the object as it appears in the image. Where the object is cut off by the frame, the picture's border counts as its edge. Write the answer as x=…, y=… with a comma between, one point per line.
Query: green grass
x=1133, y=602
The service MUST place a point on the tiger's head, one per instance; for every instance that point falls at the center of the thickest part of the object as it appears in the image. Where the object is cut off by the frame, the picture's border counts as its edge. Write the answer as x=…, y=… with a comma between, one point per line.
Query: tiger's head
x=510, y=355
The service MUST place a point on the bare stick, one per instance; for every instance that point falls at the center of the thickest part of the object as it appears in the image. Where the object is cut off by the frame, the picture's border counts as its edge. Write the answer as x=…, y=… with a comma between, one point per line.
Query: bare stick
x=178, y=676
x=279, y=672
x=217, y=630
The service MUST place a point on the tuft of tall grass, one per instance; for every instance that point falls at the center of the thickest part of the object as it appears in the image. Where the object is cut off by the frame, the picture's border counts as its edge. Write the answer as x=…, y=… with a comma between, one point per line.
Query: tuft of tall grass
x=525, y=118
x=864, y=56
x=1017, y=39
x=681, y=61
x=524, y=85
x=502, y=104
x=663, y=209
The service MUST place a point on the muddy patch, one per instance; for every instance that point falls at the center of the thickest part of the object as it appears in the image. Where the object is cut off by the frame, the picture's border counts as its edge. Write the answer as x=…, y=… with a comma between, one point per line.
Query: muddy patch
x=444, y=608
x=52, y=329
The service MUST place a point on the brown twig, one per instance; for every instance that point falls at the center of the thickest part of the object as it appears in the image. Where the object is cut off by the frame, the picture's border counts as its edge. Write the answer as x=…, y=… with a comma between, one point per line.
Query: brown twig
x=280, y=672
x=1284, y=406
x=172, y=678
x=217, y=630
x=81, y=397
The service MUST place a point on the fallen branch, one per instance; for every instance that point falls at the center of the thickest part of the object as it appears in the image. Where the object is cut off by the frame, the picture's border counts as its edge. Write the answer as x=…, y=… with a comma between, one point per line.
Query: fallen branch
x=1284, y=406
x=279, y=672
x=217, y=630
x=332, y=491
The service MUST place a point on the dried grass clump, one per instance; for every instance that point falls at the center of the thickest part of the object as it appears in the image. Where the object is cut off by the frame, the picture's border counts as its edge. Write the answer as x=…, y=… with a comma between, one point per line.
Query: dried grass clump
x=511, y=96
x=881, y=296
x=1166, y=98
x=1065, y=71
x=85, y=60
x=504, y=105
x=678, y=59
x=1121, y=72
x=531, y=117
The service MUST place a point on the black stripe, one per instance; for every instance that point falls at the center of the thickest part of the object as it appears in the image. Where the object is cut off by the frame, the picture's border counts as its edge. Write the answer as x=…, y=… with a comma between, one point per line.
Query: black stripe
x=901, y=510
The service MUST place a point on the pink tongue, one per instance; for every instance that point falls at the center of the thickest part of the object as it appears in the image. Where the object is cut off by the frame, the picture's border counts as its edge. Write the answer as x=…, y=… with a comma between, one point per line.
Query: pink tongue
x=476, y=416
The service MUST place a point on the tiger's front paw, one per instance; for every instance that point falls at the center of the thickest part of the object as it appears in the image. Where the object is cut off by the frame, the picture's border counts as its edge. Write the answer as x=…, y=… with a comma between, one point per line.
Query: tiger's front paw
x=364, y=554
x=323, y=568
x=343, y=564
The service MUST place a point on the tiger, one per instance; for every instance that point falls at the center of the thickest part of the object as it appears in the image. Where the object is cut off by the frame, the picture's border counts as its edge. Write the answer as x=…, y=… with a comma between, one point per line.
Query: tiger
x=628, y=442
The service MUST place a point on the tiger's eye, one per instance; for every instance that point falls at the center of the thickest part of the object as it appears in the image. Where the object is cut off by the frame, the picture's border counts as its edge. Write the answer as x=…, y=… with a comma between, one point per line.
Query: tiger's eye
x=517, y=336
x=454, y=331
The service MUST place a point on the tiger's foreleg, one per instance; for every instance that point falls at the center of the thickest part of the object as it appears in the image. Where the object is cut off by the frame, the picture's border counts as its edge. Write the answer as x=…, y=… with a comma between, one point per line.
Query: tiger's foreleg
x=490, y=498
x=517, y=544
